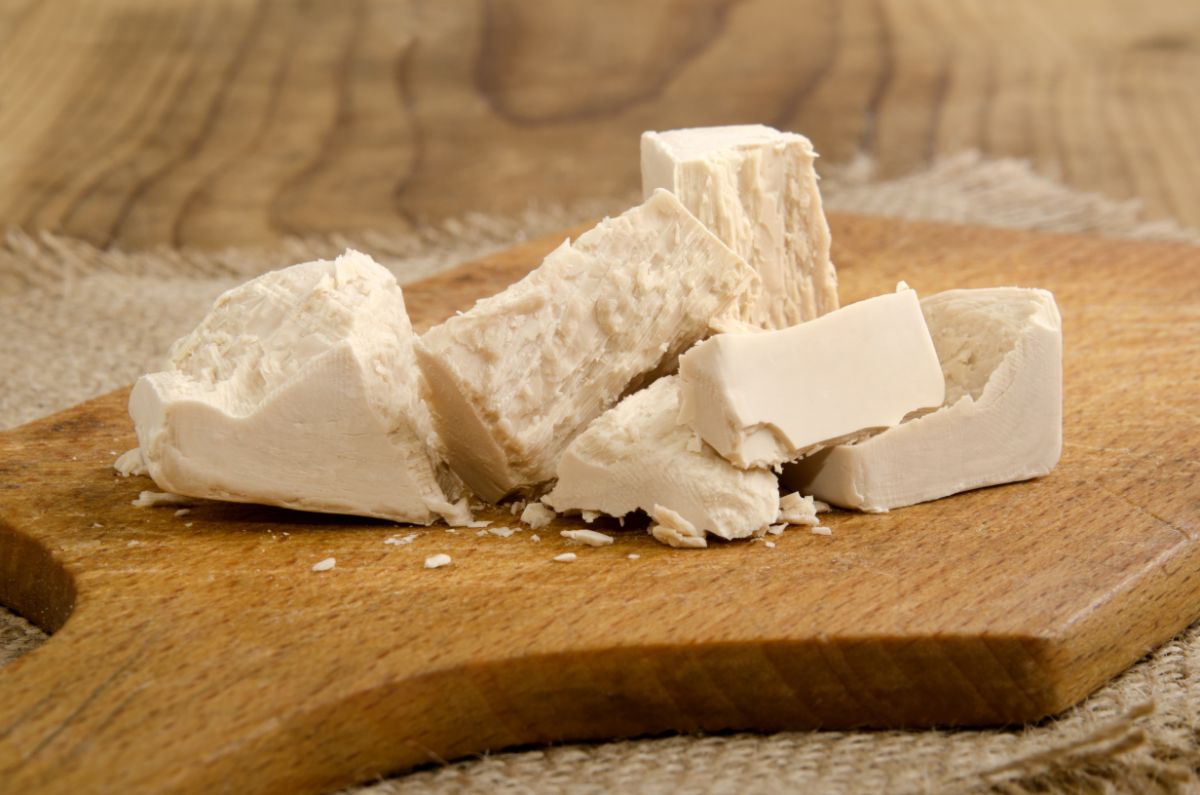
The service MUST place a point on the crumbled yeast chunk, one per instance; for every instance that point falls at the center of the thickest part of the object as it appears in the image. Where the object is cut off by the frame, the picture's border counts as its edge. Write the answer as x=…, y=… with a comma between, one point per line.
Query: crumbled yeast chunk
x=457, y=514
x=300, y=389
x=537, y=515
x=756, y=188
x=589, y=537
x=130, y=463
x=673, y=530
x=154, y=499
x=794, y=509
x=324, y=565
x=566, y=557
x=438, y=560
x=636, y=456
x=516, y=378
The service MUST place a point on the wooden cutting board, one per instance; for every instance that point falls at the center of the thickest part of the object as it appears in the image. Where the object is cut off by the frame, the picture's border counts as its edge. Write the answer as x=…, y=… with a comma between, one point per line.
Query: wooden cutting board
x=201, y=653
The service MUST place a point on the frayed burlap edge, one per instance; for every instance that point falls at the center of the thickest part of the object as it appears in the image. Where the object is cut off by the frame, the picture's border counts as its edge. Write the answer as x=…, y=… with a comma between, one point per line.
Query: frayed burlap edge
x=106, y=315
x=964, y=188
x=1007, y=193
x=51, y=263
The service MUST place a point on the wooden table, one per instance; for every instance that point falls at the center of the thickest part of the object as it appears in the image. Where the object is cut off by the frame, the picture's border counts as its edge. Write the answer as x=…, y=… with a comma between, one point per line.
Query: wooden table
x=217, y=122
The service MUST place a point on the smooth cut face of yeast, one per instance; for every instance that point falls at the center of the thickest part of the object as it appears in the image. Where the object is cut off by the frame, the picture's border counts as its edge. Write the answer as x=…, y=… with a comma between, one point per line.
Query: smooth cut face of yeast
x=299, y=389
x=513, y=380
x=1001, y=351
x=766, y=398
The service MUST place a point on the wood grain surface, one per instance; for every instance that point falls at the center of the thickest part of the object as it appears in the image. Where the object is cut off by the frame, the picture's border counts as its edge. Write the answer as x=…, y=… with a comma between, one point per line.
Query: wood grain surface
x=200, y=652
x=217, y=122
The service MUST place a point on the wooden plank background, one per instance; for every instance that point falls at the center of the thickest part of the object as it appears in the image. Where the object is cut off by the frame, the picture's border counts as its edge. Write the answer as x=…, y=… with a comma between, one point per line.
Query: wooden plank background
x=217, y=122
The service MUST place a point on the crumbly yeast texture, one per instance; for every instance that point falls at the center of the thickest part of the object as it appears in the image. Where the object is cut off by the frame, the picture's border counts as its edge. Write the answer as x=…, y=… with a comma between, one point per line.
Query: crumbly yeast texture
x=537, y=515
x=1001, y=351
x=756, y=188
x=516, y=378
x=636, y=456
x=765, y=398
x=130, y=463
x=668, y=527
x=300, y=389
x=590, y=537
x=797, y=509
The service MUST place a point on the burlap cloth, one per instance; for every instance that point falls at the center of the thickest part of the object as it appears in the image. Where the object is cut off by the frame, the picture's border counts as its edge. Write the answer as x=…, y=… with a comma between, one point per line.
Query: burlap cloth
x=76, y=322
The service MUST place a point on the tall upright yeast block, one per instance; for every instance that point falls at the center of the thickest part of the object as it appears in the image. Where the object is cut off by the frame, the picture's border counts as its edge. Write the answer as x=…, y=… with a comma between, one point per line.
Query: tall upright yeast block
x=756, y=188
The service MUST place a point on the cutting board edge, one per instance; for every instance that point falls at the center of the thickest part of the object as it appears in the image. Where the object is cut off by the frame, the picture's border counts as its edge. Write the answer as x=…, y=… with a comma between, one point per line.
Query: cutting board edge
x=1082, y=643
x=48, y=600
